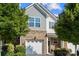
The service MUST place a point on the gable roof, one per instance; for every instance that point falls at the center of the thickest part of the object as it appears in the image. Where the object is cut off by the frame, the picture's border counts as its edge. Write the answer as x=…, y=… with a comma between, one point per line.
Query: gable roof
x=42, y=10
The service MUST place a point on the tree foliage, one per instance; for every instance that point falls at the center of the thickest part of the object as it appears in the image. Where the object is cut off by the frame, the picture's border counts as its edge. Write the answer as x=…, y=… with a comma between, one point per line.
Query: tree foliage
x=67, y=26
x=13, y=22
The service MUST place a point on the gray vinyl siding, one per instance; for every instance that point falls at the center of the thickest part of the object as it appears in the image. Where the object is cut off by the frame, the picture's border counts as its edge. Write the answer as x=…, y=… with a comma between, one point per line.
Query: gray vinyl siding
x=33, y=12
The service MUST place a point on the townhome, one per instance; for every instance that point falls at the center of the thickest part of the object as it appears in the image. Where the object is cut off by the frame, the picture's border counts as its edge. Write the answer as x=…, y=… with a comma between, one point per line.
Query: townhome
x=41, y=39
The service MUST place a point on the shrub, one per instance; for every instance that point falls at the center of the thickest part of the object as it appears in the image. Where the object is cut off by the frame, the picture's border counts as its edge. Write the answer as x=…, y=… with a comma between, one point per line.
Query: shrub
x=61, y=52
x=20, y=54
x=10, y=53
x=20, y=50
x=10, y=50
x=3, y=53
x=72, y=54
x=4, y=50
x=10, y=47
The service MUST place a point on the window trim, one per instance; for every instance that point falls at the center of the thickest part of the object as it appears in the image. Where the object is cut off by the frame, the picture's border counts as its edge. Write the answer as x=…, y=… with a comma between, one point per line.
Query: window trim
x=30, y=22
x=52, y=25
x=34, y=21
x=37, y=22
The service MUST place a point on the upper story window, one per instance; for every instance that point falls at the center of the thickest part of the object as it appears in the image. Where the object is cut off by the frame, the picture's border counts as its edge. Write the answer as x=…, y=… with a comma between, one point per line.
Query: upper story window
x=51, y=25
x=37, y=22
x=34, y=22
x=31, y=22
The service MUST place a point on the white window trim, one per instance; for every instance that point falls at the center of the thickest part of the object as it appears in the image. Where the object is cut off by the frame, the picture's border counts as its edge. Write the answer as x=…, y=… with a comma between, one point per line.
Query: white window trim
x=28, y=24
x=49, y=24
x=34, y=21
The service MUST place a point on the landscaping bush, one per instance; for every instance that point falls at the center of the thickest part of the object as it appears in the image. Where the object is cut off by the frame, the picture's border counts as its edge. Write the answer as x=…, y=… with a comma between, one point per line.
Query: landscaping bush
x=10, y=53
x=4, y=50
x=61, y=52
x=10, y=47
x=20, y=50
x=20, y=54
x=10, y=50
x=72, y=54
x=3, y=53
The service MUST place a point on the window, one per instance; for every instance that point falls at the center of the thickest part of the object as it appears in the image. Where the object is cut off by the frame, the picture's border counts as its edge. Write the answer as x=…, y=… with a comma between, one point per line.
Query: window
x=34, y=22
x=37, y=22
x=51, y=25
x=31, y=22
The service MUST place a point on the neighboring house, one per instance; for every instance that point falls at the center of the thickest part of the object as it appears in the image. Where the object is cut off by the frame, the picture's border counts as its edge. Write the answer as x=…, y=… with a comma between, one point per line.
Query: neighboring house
x=41, y=39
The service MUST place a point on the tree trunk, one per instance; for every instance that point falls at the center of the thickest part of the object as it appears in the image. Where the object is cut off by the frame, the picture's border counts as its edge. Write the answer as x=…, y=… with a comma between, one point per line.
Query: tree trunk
x=75, y=50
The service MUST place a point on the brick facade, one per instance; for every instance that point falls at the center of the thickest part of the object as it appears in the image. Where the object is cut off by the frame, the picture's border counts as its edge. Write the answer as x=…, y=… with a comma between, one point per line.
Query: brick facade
x=35, y=35
x=65, y=44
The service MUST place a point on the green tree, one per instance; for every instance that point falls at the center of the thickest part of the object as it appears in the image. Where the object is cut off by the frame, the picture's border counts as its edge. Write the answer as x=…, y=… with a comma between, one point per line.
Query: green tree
x=13, y=22
x=67, y=26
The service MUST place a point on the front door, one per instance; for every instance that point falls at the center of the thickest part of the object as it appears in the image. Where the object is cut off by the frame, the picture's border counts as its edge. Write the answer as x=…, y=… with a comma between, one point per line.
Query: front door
x=52, y=44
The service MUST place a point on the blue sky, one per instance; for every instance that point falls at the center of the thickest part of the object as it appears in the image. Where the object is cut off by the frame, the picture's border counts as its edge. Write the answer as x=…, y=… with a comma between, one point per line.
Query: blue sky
x=55, y=8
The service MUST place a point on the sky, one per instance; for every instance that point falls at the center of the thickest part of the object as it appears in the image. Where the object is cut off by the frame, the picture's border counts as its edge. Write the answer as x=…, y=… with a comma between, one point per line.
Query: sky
x=54, y=8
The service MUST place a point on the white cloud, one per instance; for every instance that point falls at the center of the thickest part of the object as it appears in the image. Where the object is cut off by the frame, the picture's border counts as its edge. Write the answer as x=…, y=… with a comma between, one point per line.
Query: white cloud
x=52, y=6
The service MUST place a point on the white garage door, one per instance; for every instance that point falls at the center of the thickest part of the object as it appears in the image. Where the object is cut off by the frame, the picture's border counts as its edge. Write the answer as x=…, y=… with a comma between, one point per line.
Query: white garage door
x=34, y=47
x=72, y=47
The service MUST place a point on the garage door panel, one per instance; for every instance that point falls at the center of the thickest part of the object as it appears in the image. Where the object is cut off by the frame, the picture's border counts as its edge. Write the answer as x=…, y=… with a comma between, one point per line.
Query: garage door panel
x=34, y=47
